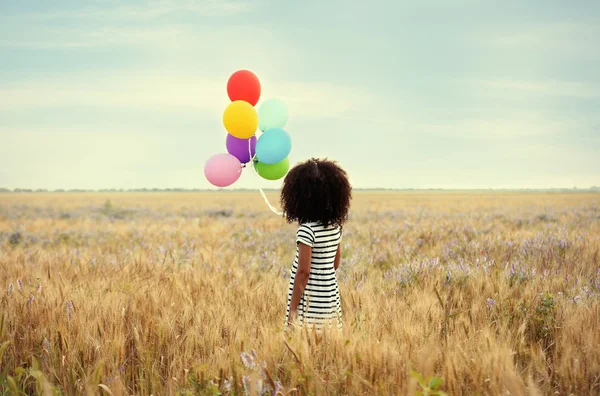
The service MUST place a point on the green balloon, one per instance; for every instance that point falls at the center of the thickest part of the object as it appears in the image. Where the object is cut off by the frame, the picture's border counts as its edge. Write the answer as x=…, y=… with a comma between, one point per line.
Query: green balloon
x=272, y=171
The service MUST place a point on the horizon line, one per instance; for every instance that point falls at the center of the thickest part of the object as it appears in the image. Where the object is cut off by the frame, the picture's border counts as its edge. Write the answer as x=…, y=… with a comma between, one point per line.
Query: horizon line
x=226, y=190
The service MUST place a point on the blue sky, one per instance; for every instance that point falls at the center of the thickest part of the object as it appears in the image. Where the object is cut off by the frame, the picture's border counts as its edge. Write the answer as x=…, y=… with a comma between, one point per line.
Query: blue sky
x=434, y=93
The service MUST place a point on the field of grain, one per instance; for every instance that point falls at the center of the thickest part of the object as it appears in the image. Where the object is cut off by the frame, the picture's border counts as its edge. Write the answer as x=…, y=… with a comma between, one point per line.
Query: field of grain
x=157, y=293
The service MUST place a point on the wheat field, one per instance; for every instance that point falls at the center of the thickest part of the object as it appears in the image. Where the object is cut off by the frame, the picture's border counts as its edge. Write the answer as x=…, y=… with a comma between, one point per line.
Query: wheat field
x=475, y=293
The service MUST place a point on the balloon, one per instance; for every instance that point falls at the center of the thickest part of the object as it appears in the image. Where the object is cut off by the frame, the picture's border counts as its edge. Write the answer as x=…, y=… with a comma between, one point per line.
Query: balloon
x=273, y=146
x=240, y=148
x=272, y=171
x=273, y=113
x=222, y=170
x=243, y=85
x=240, y=119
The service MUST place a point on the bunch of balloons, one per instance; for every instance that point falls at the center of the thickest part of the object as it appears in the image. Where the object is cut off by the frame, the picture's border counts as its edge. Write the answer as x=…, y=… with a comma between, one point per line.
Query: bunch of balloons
x=267, y=154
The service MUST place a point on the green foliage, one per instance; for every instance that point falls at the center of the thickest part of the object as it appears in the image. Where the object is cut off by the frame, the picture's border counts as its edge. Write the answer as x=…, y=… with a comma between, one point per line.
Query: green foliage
x=542, y=320
x=26, y=380
x=15, y=238
x=539, y=315
x=429, y=386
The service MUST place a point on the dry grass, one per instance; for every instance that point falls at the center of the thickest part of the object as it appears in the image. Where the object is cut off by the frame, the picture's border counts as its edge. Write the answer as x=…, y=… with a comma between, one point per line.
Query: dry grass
x=161, y=293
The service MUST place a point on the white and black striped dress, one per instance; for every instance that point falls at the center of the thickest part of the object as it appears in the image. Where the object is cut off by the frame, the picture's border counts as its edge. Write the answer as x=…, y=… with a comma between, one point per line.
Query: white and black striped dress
x=320, y=303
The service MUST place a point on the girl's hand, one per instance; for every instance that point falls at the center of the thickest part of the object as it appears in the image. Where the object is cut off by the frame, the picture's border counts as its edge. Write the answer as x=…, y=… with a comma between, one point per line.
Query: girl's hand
x=292, y=317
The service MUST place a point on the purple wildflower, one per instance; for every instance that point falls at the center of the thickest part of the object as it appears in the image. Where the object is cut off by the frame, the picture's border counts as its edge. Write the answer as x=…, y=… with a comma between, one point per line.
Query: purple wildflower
x=248, y=360
x=69, y=308
x=277, y=388
x=30, y=300
x=39, y=288
x=563, y=244
x=259, y=386
x=246, y=383
x=10, y=289
x=227, y=384
x=19, y=284
x=491, y=303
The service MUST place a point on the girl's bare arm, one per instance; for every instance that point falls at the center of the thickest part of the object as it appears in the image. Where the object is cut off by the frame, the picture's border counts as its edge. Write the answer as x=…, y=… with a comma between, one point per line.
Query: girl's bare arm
x=301, y=278
x=338, y=257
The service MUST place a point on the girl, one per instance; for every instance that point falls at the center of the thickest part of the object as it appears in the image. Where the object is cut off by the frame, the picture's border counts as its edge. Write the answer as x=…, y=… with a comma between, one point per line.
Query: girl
x=316, y=194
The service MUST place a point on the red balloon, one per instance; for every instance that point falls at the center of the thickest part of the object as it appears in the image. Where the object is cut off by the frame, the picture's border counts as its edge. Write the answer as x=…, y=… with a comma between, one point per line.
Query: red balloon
x=244, y=85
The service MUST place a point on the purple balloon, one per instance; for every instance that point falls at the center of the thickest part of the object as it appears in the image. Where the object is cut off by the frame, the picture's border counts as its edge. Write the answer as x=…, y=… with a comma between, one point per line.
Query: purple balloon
x=239, y=147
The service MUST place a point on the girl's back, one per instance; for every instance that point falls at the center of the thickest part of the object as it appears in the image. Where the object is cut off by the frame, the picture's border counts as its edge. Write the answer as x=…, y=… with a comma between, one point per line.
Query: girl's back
x=320, y=303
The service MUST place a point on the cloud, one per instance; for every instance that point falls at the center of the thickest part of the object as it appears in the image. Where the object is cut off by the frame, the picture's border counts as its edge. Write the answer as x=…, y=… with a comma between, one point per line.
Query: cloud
x=168, y=36
x=146, y=10
x=51, y=157
x=128, y=25
x=510, y=127
x=85, y=37
x=548, y=35
x=65, y=146
x=516, y=88
x=554, y=41
x=509, y=88
x=123, y=91
x=161, y=92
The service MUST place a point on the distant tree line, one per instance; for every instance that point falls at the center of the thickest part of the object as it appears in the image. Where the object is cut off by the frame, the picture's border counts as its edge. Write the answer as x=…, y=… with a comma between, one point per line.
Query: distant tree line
x=60, y=190
x=114, y=190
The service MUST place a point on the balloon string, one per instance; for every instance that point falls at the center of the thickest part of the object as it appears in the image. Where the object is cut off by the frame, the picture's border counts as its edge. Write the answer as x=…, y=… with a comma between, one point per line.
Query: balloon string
x=273, y=209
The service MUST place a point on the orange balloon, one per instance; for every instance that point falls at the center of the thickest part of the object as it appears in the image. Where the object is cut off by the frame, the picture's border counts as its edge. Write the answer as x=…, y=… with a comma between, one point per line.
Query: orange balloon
x=240, y=119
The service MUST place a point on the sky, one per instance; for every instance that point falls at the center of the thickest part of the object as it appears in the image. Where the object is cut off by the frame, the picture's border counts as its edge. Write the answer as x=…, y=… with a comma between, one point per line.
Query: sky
x=421, y=94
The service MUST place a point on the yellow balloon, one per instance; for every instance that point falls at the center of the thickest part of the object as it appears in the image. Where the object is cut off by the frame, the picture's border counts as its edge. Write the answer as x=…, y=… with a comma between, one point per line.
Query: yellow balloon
x=240, y=119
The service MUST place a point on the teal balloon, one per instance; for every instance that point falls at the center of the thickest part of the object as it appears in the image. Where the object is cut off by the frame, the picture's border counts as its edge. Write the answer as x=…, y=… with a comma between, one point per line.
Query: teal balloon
x=273, y=113
x=273, y=146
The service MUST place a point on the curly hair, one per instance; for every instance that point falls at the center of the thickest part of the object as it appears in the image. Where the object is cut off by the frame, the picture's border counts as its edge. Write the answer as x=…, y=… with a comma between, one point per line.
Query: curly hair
x=316, y=190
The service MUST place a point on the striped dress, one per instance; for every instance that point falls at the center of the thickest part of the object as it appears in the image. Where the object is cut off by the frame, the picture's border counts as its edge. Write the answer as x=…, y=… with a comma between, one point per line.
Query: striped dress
x=320, y=303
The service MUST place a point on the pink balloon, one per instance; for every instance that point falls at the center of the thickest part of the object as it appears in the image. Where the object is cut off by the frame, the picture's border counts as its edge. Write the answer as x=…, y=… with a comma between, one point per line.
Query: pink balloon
x=222, y=170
